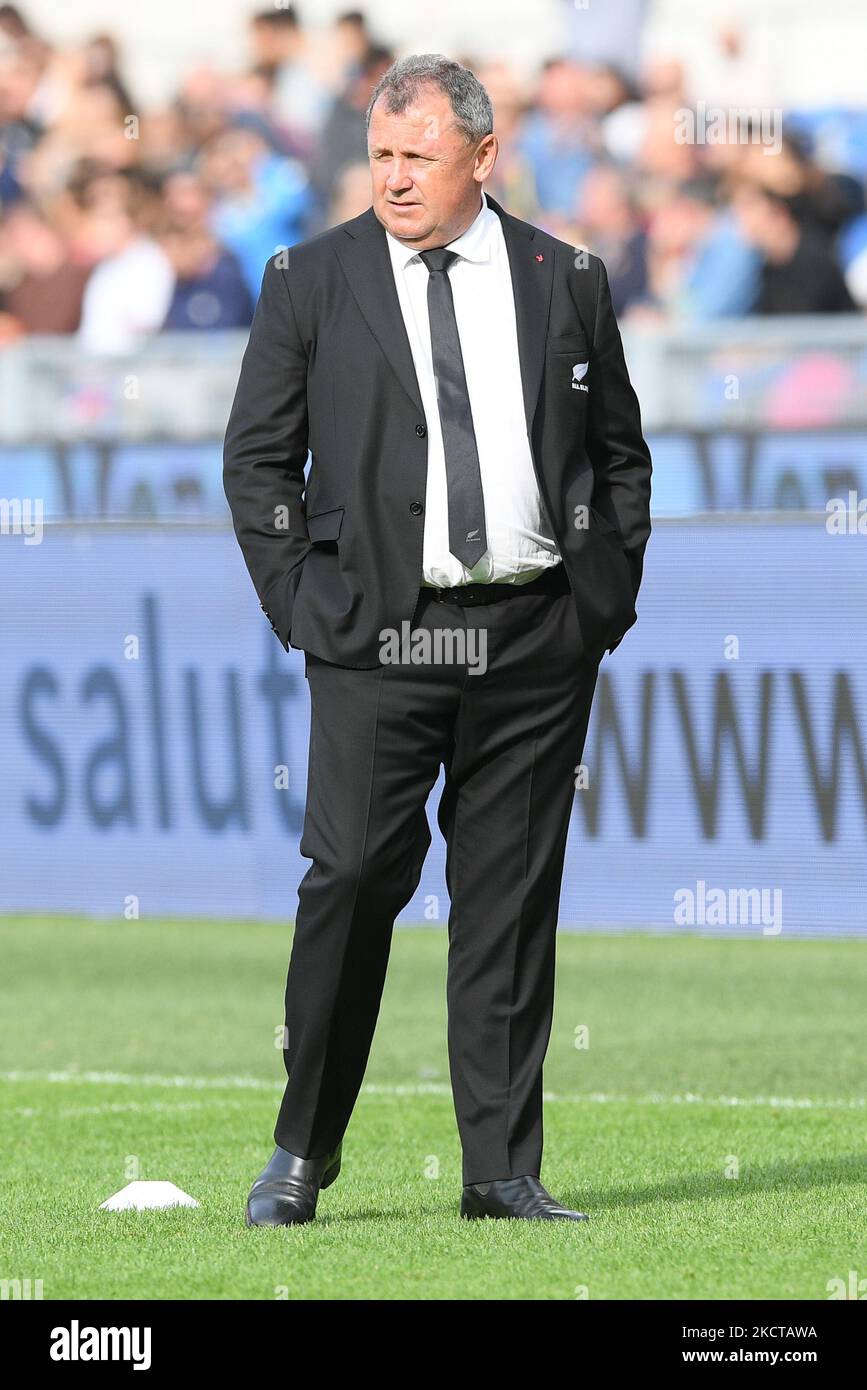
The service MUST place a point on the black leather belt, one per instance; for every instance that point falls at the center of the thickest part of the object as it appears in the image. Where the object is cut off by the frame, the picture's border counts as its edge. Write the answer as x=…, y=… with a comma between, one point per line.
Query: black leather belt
x=553, y=581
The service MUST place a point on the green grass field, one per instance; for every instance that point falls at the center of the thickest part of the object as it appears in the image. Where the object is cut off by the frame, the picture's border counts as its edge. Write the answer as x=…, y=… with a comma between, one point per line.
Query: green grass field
x=147, y=1050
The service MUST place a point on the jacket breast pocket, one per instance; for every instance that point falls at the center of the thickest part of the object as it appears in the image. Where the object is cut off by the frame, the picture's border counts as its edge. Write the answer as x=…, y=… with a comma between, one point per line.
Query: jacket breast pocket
x=325, y=526
x=569, y=342
x=568, y=366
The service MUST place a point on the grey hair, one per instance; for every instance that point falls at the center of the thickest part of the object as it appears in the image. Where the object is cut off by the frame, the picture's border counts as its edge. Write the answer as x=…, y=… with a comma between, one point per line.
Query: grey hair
x=401, y=84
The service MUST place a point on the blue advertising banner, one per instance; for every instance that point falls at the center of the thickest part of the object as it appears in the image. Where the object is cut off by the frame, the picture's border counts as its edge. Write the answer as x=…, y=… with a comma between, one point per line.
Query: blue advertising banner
x=155, y=733
x=695, y=471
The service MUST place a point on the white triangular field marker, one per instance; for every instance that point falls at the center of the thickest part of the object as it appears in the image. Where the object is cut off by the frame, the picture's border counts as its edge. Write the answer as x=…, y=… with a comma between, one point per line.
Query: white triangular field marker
x=142, y=1196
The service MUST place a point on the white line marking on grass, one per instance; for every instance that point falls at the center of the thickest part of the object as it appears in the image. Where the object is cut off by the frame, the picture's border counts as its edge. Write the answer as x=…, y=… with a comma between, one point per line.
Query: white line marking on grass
x=118, y=1107
x=119, y=1078
x=423, y=1088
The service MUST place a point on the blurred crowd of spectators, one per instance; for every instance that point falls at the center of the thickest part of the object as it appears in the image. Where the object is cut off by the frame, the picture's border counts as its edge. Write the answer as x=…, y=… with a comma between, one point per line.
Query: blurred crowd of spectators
x=118, y=222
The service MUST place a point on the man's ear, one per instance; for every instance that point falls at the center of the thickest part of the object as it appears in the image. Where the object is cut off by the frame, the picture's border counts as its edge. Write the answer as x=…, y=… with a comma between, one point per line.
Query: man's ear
x=486, y=158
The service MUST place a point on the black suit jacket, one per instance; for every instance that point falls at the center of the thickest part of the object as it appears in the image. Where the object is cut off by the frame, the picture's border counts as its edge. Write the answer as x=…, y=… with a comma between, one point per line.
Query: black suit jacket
x=329, y=368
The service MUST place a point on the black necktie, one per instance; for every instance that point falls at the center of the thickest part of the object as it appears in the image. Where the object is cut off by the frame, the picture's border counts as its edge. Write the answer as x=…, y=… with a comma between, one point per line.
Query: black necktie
x=467, y=539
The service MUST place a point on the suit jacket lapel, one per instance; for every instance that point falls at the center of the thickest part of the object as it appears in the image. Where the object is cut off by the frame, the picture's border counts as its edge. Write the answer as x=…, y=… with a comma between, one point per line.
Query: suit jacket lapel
x=532, y=283
x=363, y=253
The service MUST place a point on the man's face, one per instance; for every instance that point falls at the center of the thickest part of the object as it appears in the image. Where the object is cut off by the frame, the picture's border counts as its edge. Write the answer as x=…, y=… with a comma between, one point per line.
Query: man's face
x=426, y=177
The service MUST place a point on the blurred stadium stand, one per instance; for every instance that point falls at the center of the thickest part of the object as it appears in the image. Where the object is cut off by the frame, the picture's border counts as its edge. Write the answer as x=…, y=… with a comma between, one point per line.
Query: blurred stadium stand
x=136, y=214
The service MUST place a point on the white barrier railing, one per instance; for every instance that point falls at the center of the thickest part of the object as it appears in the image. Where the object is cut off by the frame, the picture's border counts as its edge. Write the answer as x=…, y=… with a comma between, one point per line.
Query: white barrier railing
x=729, y=374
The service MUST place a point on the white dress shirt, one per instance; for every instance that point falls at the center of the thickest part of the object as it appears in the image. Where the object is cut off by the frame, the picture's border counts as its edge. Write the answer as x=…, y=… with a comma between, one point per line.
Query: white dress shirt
x=521, y=543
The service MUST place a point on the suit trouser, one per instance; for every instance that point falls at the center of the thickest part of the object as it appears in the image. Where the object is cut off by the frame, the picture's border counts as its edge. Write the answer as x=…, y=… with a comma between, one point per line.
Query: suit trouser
x=509, y=737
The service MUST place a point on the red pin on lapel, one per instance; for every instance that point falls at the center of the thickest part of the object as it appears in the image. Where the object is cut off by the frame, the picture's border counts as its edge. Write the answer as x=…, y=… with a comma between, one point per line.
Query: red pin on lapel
x=540, y=257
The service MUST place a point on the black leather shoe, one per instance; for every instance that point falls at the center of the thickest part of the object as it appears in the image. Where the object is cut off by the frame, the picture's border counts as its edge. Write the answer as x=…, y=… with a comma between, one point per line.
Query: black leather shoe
x=285, y=1192
x=522, y=1198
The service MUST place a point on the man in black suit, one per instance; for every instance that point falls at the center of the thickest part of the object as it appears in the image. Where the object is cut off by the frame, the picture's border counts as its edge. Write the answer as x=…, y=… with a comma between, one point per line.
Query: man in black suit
x=468, y=543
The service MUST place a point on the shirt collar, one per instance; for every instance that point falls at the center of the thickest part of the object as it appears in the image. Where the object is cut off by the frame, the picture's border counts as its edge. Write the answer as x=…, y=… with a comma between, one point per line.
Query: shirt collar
x=472, y=245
